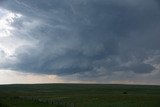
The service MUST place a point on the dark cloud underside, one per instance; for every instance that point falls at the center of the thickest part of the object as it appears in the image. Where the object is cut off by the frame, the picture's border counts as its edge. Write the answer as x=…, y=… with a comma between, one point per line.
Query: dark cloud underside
x=88, y=37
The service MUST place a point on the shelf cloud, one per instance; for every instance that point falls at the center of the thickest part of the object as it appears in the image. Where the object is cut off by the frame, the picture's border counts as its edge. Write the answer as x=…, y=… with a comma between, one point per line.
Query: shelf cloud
x=91, y=39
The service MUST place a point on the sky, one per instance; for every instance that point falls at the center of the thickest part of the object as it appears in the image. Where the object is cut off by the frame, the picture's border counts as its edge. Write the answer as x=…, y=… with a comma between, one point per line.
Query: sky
x=80, y=41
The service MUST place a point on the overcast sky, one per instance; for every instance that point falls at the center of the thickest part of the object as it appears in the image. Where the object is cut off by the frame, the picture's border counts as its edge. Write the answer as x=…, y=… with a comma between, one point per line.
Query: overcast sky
x=96, y=41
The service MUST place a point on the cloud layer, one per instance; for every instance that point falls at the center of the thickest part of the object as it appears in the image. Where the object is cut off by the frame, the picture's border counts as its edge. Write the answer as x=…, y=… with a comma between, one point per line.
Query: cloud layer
x=87, y=38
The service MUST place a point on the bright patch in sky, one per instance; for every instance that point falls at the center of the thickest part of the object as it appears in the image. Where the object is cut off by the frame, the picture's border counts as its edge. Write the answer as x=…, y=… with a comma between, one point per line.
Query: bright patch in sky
x=11, y=37
x=6, y=20
x=8, y=43
x=10, y=77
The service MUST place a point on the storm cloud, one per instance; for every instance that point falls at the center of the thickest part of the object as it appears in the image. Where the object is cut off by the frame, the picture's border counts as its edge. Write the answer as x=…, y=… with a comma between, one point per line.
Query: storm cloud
x=90, y=38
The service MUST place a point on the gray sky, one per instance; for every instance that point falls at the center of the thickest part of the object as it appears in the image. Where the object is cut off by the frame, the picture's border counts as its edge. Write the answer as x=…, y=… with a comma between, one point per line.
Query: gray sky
x=100, y=41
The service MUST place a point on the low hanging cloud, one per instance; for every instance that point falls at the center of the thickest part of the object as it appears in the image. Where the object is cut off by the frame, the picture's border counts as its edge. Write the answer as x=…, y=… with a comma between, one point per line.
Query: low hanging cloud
x=85, y=37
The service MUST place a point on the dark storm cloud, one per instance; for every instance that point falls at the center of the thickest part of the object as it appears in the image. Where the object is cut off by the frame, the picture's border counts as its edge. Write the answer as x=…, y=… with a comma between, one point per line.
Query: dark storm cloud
x=137, y=68
x=97, y=37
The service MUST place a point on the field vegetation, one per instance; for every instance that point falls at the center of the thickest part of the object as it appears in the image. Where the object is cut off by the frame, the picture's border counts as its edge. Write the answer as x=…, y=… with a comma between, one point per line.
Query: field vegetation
x=79, y=95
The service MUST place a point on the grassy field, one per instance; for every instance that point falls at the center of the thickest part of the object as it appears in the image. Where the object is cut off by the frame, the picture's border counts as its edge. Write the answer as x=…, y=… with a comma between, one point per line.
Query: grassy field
x=79, y=95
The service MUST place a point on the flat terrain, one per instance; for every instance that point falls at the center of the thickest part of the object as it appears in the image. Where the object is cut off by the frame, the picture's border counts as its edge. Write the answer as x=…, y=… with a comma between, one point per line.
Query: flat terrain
x=79, y=95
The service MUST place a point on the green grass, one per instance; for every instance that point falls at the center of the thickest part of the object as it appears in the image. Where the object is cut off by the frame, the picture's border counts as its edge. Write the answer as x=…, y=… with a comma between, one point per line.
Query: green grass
x=79, y=95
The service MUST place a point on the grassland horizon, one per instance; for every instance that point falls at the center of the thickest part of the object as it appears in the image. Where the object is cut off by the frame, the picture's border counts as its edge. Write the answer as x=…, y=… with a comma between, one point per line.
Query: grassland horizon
x=79, y=95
